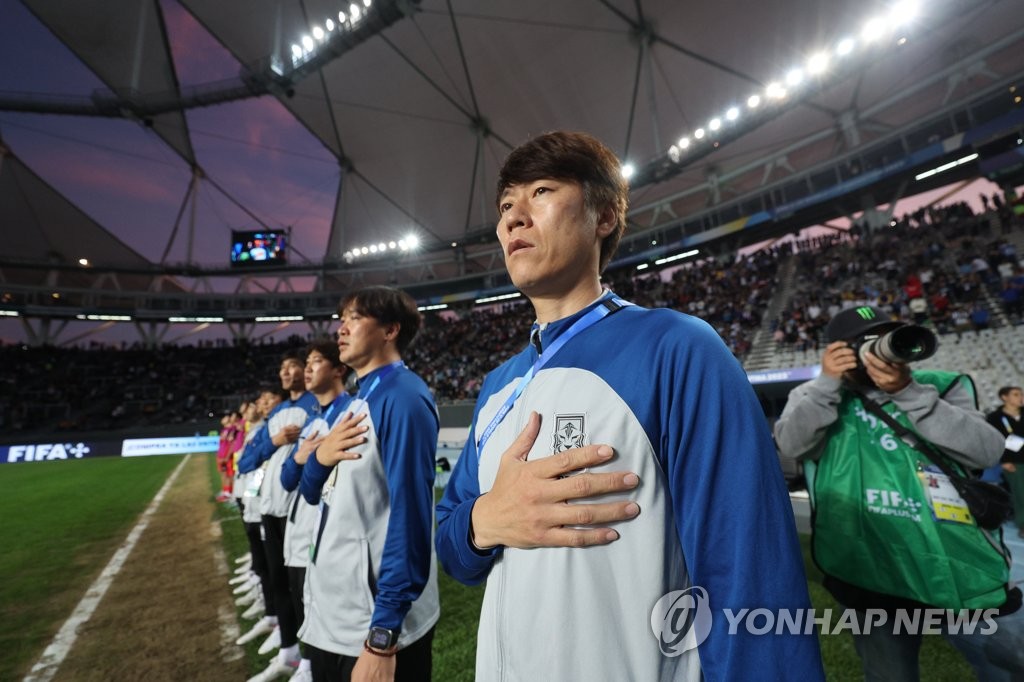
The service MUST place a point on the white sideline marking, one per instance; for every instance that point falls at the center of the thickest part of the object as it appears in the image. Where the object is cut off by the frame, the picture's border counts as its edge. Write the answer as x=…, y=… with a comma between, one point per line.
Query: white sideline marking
x=57, y=651
x=229, y=630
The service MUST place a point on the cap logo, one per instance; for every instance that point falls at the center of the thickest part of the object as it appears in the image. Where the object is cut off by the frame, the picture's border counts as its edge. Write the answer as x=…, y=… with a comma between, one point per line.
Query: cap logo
x=866, y=313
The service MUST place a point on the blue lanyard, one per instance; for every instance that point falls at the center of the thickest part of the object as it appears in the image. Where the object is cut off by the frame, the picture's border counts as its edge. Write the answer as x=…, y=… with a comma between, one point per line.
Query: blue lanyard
x=365, y=397
x=604, y=308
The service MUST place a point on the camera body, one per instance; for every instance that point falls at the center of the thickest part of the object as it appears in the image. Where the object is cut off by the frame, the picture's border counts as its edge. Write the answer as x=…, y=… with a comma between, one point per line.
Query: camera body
x=903, y=344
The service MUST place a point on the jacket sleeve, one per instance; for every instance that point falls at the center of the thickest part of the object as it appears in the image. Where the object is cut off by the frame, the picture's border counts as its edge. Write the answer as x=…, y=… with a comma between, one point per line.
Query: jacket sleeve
x=455, y=550
x=256, y=452
x=951, y=423
x=291, y=472
x=732, y=512
x=811, y=409
x=408, y=447
x=314, y=475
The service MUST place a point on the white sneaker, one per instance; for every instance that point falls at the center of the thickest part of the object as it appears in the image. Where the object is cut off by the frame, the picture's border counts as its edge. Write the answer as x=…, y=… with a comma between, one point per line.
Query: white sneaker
x=245, y=557
x=239, y=579
x=279, y=666
x=248, y=598
x=270, y=643
x=262, y=627
x=257, y=609
x=302, y=675
x=247, y=585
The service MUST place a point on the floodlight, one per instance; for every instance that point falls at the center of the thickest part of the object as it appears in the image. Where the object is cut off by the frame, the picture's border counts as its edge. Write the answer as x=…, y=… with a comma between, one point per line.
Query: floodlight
x=392, y=245
x=318, y=33
x=329, y=24
x=373, y=248
x=872, y=30
x=364, y=251
x=296, y=51
x=307, y=43
x=845, y=47
x=775, y=91
x=715, y=123
x=794, y=77
x=753, y=101
x=817, y=64
x=354, y=12
x=684, y=142
x=628, y=170
x=904, y=12
x=698, y=133
x=732, y=114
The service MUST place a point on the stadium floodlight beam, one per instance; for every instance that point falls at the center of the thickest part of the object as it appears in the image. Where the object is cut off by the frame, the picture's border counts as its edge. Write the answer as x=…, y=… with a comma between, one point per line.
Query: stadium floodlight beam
x=699, y=133
x=732, y=114
x=627, y=170
x=775, y=91
x=817, y=64
x=715, y=123
x=845, y=47
x=754, y=101
x=872, y=30
x=794, y=77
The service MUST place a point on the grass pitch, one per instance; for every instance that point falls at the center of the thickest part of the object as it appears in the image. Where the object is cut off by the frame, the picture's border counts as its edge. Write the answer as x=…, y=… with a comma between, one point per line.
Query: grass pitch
x=62, y=521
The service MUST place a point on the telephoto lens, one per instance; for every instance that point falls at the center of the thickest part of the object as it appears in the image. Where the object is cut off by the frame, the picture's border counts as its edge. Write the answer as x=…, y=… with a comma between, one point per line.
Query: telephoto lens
x=905, y=344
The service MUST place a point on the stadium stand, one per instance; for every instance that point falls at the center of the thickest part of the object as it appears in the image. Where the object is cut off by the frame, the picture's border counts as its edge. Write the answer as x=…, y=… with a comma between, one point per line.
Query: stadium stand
x=769, y=307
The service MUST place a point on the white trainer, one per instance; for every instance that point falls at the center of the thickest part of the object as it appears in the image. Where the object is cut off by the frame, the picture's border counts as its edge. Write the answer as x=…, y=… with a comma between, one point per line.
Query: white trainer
x=247, y=585
x=263, y=626
x=280, y=665
x=257, y=609
x=248, y=598
x=239, y=579
x=303, y=674
x=270, y=643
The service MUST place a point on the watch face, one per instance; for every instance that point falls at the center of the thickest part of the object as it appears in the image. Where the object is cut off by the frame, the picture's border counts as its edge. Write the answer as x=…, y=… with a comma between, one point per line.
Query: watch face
x=381, y=638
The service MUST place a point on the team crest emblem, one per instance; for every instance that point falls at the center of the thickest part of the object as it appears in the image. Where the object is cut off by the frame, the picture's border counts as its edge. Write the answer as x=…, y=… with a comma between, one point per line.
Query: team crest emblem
x=569, y=432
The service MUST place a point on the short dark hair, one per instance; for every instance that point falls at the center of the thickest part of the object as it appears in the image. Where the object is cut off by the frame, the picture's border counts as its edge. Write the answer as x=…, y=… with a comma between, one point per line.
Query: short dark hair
x=297, y=355
x=387, y=305
x=327, y=348
x=577, y=157
x=275, y=391
x=1005, y=391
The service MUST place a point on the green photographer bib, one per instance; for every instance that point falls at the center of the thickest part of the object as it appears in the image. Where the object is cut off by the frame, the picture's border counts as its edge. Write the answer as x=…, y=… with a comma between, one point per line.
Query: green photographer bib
x=878, y=526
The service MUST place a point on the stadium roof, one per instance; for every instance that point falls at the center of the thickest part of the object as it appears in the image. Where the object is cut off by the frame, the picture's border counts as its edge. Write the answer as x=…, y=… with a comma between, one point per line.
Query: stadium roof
x=419, y=116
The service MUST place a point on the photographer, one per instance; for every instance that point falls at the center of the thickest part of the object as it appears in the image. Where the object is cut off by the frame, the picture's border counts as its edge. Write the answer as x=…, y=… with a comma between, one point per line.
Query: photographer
x=886, y=532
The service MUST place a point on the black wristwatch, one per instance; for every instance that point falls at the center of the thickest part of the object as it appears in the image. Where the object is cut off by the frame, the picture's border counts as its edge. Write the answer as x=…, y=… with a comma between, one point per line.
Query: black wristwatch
x=382, y=638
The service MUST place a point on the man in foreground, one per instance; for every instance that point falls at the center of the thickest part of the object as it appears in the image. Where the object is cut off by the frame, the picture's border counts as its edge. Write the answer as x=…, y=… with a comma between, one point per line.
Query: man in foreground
x=618, y=461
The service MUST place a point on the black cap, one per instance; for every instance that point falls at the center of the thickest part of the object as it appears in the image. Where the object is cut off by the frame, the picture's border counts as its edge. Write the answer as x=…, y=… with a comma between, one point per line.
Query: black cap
x=854, y=322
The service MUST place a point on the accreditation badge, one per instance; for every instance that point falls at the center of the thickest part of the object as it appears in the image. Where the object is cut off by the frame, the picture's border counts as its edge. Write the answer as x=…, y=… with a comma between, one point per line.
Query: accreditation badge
x=945, y=502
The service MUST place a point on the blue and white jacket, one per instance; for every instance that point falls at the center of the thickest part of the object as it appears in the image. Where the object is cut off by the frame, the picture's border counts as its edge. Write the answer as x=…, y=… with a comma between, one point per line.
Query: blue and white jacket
x=298, y=532
x=661, y=389
x=373, y=561
x=274, y=500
